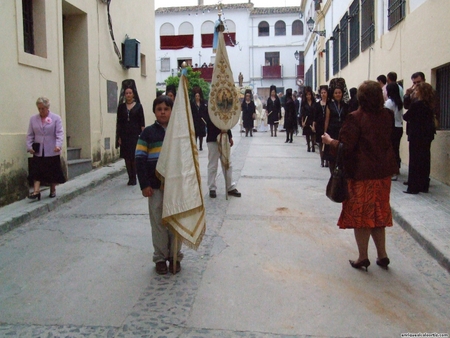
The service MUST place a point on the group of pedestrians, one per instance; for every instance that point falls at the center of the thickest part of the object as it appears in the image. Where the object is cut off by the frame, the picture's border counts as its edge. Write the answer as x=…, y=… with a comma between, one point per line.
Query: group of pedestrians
x=369, y=125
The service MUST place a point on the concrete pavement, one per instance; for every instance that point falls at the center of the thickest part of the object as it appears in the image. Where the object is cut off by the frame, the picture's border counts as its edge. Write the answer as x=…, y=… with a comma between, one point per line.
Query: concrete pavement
x=426, y=217
x=272, y=263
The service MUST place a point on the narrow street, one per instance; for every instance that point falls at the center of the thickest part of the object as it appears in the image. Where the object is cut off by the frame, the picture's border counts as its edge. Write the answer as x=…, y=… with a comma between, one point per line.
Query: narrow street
x=273, y=263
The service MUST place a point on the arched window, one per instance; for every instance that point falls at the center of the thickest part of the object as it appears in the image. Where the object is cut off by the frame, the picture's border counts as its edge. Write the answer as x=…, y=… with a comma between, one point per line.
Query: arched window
x=167, y=29
x=185, y=37
x=207, y=31
x=186, y=28
x=230, y=33
x=297, y=27
x=263, y=28
x=280, y=28
x=207, y=27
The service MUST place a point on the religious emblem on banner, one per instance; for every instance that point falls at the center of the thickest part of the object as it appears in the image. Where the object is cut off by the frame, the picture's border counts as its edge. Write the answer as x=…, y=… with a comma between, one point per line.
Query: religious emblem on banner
x=224, y=105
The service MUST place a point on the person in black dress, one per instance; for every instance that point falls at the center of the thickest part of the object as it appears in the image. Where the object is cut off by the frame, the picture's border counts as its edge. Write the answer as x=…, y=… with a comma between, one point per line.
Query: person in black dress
x=248, y=112
x=320, y=109
x=273, y=109
x=353, y=102
x=290, y=116
x=130, y=124
x=336, y=112
x=307, y=117
x=199, y=108
x=421, y=129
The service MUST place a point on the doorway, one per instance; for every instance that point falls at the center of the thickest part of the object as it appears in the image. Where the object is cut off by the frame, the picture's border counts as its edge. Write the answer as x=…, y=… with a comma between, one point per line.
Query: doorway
x=76, y=79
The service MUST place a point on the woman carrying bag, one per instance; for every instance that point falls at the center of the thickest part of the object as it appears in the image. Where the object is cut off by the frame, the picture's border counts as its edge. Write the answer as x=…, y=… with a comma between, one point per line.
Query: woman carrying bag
x=369, y=162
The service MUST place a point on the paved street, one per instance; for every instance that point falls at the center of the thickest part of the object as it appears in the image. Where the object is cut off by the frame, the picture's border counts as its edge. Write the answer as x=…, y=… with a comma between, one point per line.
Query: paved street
x=272, y=264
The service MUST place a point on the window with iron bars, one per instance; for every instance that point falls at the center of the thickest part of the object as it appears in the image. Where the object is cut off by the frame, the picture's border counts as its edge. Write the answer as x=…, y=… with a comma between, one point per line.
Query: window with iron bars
x=27, y=16
x=367, y=24
x=336, y=50
x=396, y=12
x=354, y=30
x=343, y=39
x=443, y=92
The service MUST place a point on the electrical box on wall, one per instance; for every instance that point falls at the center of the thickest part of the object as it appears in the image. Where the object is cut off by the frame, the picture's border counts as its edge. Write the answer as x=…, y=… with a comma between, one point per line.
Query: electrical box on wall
x=131, y=51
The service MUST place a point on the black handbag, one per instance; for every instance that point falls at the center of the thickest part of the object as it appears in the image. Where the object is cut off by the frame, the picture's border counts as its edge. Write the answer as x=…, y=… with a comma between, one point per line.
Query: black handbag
x=36, y=147
x=337, y=189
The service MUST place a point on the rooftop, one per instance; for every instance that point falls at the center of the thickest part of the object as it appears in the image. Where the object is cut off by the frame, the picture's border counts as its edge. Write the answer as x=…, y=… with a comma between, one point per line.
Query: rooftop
x=212, y=8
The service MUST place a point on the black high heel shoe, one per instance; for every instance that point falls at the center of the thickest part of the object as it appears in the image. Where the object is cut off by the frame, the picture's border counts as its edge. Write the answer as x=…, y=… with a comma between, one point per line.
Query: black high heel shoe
x=383, y=262
x=363, y=264
x=34, y=195
x=52, y=194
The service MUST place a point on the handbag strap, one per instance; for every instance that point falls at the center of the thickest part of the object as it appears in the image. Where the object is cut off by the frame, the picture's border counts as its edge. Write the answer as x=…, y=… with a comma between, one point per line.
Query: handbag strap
x=339, y=155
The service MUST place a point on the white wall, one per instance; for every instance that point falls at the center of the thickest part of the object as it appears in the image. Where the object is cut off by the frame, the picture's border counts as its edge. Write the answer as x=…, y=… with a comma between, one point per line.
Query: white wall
x=248, y=56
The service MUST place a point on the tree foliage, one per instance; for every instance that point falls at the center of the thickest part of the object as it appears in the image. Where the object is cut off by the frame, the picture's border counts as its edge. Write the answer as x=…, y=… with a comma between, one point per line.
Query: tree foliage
x=194, y=80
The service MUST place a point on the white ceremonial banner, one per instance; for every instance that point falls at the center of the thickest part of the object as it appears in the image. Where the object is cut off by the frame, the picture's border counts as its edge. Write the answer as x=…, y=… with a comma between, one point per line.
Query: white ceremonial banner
x=179, y=170
x=224, y=105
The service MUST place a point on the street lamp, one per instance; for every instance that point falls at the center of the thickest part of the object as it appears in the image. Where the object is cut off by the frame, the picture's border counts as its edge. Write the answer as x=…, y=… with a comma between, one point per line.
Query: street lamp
x=296, y=54
x=310, y=24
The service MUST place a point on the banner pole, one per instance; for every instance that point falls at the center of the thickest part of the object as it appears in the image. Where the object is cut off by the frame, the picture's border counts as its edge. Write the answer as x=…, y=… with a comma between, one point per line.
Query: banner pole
x=175, y=253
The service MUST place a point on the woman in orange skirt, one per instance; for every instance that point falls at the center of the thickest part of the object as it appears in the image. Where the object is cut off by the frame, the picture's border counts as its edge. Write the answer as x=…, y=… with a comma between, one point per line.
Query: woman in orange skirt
x=369, y=162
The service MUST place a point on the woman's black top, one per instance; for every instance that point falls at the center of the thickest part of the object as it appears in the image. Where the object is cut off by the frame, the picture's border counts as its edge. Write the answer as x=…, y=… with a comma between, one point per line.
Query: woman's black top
x=128, y=128
x=337, y=117
x=199, y=113
x=248, y=109
x=273, y=106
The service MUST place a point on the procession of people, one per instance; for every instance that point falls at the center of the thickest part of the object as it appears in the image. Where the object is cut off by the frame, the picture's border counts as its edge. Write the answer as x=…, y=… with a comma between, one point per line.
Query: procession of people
x=366, y=127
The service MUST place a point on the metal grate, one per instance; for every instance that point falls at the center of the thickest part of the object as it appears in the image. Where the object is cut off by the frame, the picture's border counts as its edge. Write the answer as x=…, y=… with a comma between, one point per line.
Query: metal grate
x=443, y=91
x=354, y=30
x=343, y=37
x=367, y=24
x=28, y=33
x=309, y=76
x=396, y=12
x=336, y=50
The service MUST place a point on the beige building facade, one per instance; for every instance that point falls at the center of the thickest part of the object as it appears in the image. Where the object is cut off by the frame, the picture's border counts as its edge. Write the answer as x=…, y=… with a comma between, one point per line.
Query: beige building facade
x=361, y=39
x=64, y=50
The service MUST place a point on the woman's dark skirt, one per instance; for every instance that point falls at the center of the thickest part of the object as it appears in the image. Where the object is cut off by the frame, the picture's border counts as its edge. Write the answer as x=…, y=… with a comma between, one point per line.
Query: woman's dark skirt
x=128, y=147
x=47, y=170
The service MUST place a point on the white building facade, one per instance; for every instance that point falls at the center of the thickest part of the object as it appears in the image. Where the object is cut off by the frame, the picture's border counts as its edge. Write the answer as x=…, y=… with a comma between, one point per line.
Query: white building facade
x=262, y=43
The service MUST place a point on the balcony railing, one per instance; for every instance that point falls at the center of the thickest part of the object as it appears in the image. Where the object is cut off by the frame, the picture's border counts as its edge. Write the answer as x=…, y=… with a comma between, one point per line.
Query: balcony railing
x=271, y=72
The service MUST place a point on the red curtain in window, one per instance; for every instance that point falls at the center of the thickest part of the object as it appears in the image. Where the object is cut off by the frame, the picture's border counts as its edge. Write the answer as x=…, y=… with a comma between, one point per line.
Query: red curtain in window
x=176, y=41
x=207, y=39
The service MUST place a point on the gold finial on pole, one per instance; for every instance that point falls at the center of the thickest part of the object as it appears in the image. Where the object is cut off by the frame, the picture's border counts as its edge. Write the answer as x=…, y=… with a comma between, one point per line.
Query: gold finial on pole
x=221, y=27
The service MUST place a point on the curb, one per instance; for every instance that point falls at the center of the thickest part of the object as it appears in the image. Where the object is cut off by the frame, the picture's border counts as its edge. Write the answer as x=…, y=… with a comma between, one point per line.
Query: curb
x=421, y=239
x=75, y=187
